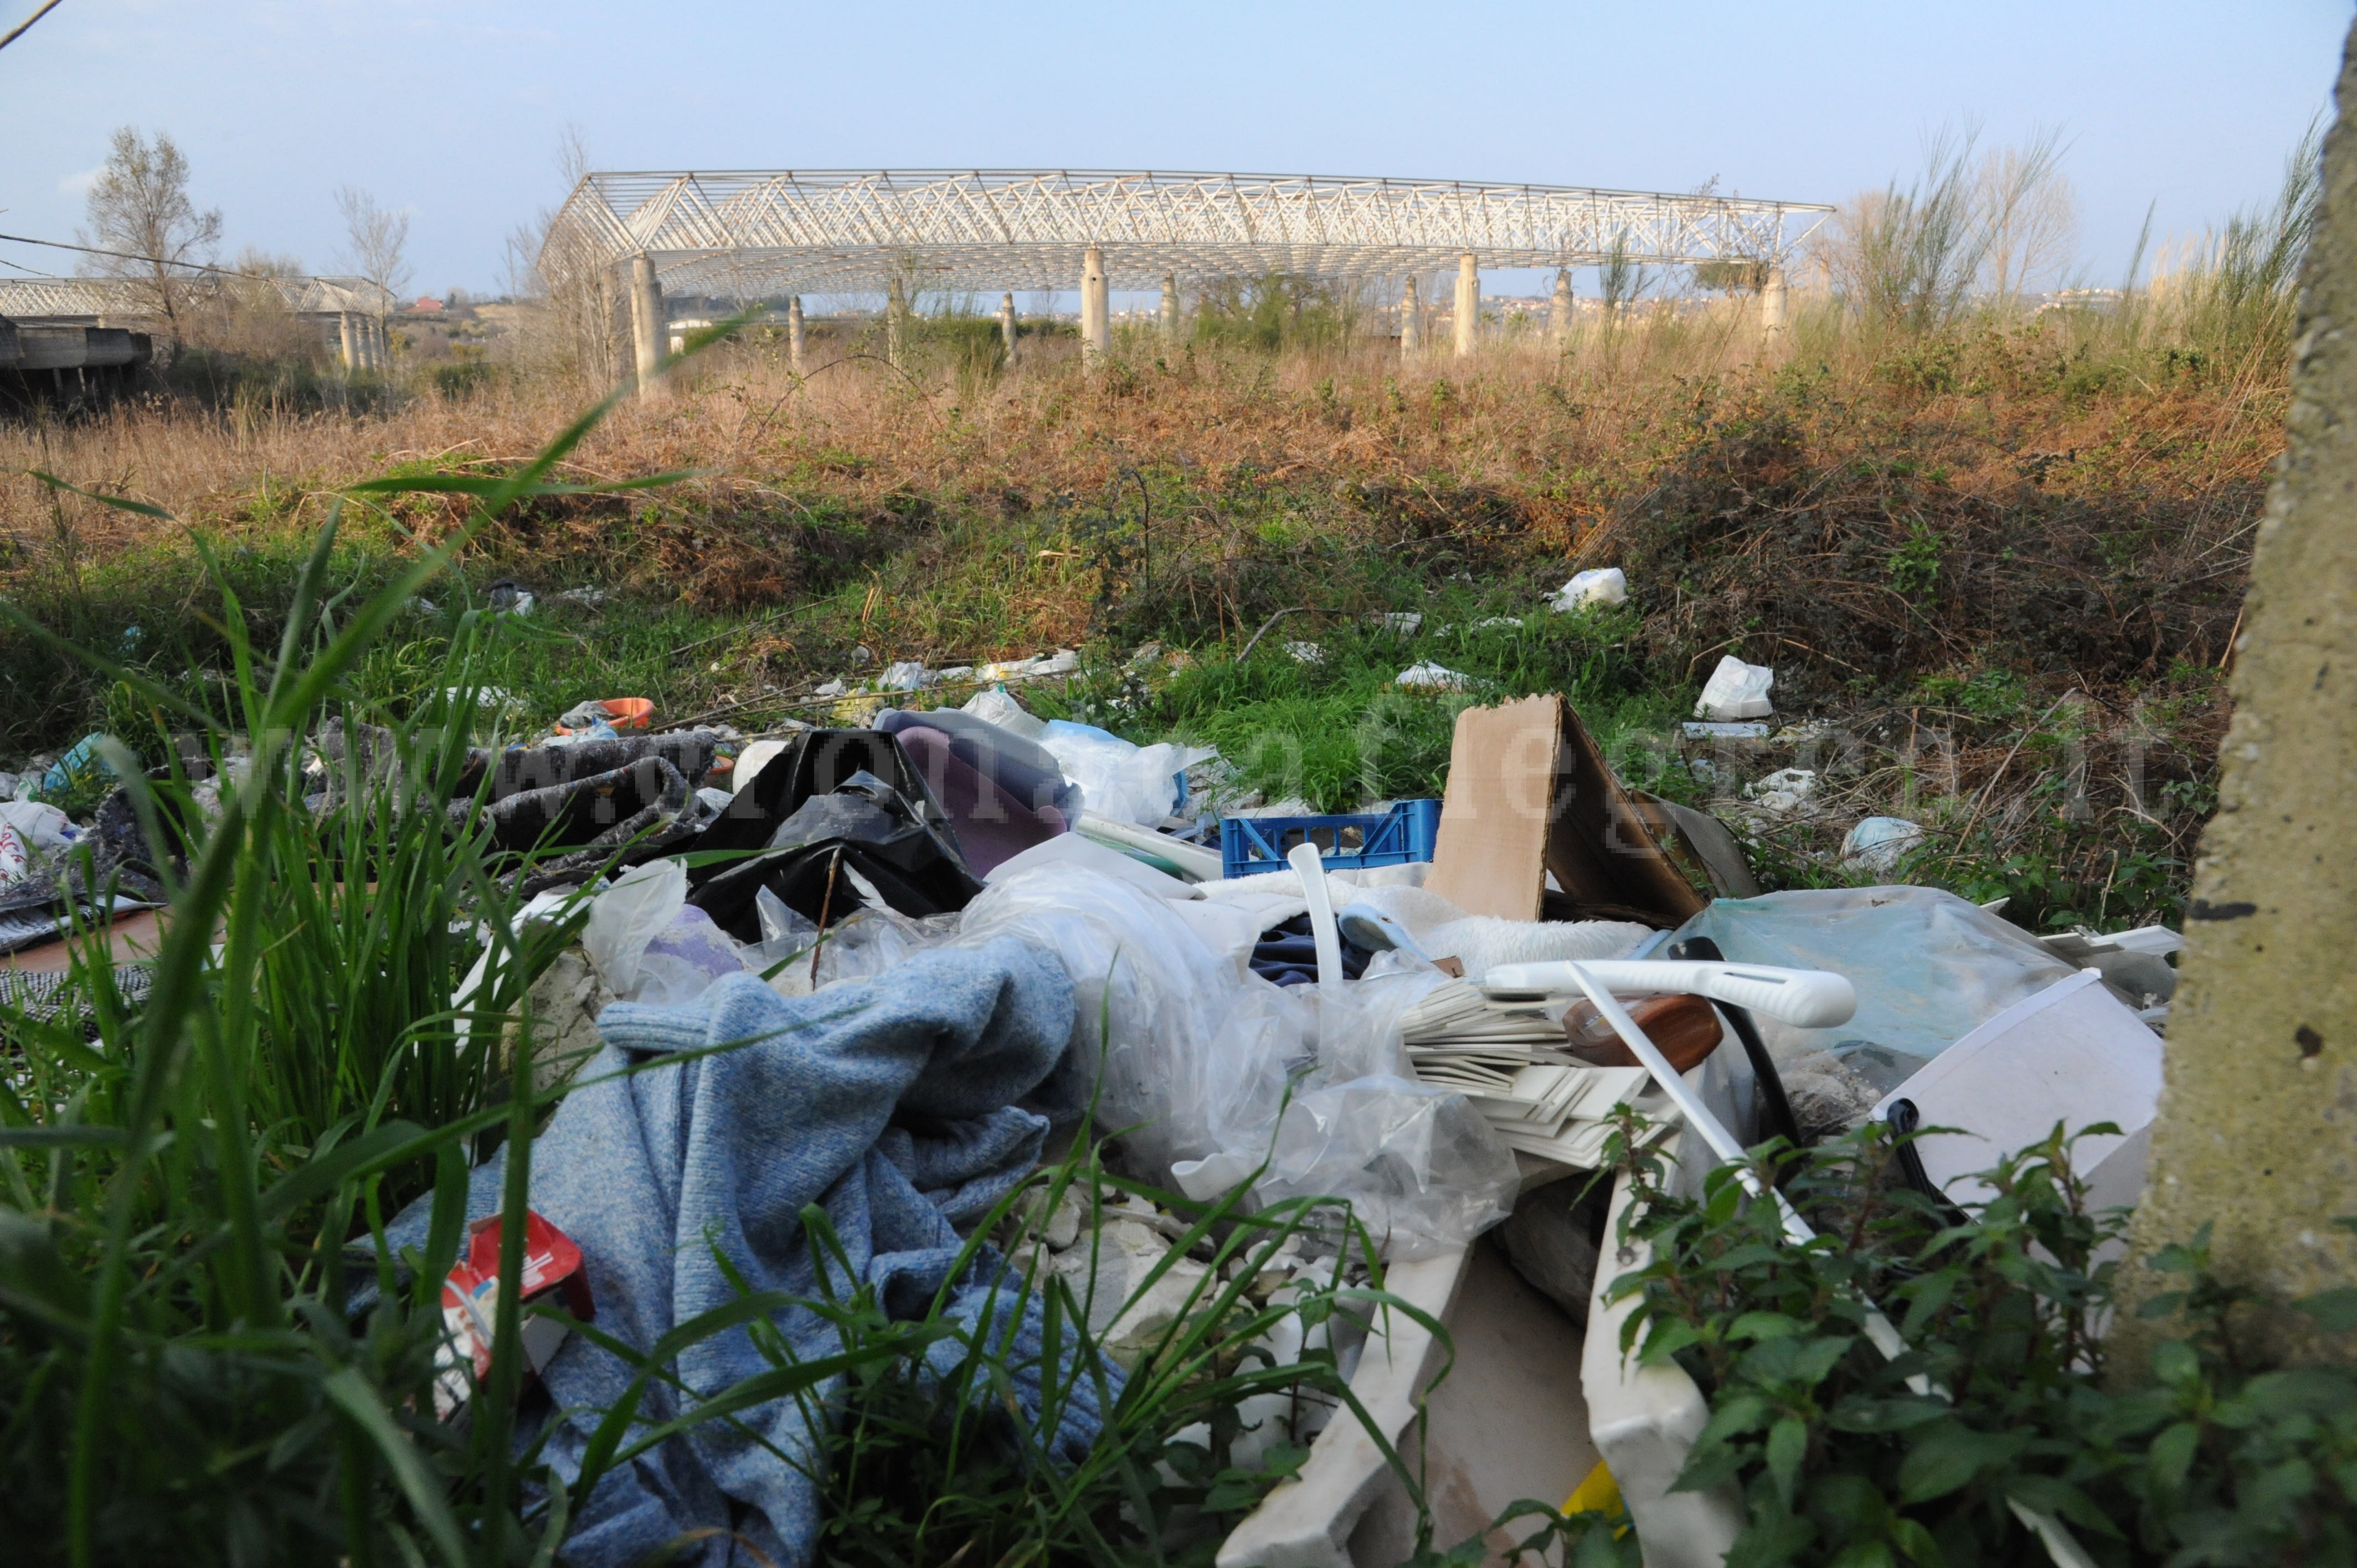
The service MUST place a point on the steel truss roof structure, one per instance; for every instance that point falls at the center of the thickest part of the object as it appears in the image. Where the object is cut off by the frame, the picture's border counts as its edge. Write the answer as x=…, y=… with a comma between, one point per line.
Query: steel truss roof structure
x=132, y=300
x=759, y=234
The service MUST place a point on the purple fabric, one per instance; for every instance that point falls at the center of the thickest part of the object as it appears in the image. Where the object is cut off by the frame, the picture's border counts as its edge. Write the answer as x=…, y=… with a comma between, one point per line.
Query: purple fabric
x=993, y=826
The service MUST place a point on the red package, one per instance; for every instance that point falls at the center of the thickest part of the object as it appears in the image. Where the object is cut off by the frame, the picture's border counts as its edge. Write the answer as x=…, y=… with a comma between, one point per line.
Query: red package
x=551, y=1269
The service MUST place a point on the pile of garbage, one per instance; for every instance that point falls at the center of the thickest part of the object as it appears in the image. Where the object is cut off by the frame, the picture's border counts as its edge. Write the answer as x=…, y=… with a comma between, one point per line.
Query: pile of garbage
x=903, y=961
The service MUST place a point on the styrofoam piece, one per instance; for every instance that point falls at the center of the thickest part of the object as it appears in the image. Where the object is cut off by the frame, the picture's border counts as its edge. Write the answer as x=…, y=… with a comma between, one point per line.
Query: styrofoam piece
x=1735, y=691
x=1644, y=1420
x=2071, y=1053
x=1307, y=1522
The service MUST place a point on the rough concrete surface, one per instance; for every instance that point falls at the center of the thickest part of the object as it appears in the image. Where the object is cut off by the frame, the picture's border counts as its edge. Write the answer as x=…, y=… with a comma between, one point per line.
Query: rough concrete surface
x=2257, y=1132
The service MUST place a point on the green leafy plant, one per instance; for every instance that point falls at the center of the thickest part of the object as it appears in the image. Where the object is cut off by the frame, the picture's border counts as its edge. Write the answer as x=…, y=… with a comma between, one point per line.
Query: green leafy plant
x=2003, y=1400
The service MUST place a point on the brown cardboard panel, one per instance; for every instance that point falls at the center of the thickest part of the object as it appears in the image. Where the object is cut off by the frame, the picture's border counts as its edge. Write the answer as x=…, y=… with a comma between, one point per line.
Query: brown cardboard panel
x=1490, y=856
x=1529, y=793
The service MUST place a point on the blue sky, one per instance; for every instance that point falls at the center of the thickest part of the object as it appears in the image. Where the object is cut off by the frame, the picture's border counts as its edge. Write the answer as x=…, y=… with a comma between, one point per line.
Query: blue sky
x=452, y=109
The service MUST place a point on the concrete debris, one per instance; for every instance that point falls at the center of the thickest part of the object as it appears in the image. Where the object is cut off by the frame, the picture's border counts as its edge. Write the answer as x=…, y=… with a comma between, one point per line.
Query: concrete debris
x=1305, y=653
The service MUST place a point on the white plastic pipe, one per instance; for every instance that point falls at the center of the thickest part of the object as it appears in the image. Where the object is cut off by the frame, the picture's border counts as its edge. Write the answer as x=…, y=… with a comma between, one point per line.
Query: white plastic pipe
x=1311, y=867
x=1806, y=998
x=1592, y=979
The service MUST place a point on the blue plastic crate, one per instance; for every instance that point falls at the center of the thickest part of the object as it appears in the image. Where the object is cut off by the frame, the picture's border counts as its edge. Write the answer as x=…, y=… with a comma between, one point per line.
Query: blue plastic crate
x=1250, y=845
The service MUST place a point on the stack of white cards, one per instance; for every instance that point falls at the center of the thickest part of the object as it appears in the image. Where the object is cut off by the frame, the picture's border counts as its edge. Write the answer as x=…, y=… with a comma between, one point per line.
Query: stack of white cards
x=1509, y=1059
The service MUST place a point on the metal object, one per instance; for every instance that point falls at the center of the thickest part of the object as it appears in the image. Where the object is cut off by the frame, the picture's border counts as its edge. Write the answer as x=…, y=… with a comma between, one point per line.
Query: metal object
x=764, y=233
x=113, y=301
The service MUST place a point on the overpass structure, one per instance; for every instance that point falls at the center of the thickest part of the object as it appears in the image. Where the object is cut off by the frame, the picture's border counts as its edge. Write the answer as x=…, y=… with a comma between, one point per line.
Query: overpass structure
x=50, y=316
x=766, y=234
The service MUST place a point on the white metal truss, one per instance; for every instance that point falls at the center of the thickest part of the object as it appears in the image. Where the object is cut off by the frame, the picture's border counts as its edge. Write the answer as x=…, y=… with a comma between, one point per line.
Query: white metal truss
x=123, y=300
x=759, y=234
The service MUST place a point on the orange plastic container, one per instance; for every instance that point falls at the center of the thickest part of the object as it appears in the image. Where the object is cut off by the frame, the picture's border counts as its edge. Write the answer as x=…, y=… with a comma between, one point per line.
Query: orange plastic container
x=624, y=713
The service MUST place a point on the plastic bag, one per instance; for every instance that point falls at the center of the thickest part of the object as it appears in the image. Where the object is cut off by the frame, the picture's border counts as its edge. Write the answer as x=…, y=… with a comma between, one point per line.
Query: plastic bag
x=684, y=959
x=1420, y=1166
x=42, y=826
x=1735, y=691
x=649, y=944
x=1879, y=843
x=1191, y=1059
x=1120, y=781
x=995, y=708
x=1596, y=586
x=1929, y=967
x=632, y=912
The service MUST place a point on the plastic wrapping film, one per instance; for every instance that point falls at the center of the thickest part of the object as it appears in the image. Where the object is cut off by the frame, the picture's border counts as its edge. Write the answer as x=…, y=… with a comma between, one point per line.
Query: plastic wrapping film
x=1119, y=780
x=1929, y=967
x=1191, y=1060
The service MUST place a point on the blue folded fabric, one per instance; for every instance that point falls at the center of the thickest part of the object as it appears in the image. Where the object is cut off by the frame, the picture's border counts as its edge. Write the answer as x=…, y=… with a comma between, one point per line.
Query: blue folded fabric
x=1286, y=954
x=888, y=1103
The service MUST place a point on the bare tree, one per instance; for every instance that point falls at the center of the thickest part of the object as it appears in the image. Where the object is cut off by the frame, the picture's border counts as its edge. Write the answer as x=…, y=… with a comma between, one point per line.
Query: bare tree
x=566, y=274
x=2031, y=213
x=377, y=243
x=140, y=209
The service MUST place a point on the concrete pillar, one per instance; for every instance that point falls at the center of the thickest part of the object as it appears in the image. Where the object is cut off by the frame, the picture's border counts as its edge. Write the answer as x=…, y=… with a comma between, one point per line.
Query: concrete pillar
x=1411, y=321
x=382, y=344
x=1097, y=310
x=1773, y=301
x=350, y=342
x=1007, y=323
x=647, y=323
x=896, y=322
x=1559, y=313
x=1170, y=308
x=1468, y=306
x=795, y=334
x=2254, y=1135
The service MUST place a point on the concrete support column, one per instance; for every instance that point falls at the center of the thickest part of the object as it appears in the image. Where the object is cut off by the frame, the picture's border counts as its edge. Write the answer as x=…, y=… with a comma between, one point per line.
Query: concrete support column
x=380, y=345
x=1411, y=322
x=1170, y=308
x=1468, y=304
x=896, y=323
x=1097, y=310
x=350, y=342
x=795, y=334
x=1007, y=323
x=2255, y=1134
x=647, y=324
x=1774, y=301
x=1559, y=313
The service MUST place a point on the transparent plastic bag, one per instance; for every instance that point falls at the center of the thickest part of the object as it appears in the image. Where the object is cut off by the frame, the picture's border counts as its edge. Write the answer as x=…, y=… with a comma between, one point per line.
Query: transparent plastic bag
x=862, y=944
x=630, y=913
x=1419, y=1165
x=1929, y=967
x=1174, y=1045
x=1190, y=1059
x=684, y=959
x=1119, y=781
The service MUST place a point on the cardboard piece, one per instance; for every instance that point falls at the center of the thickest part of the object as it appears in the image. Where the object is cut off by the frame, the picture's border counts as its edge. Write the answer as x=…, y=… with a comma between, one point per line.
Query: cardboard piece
x=1529, y=794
